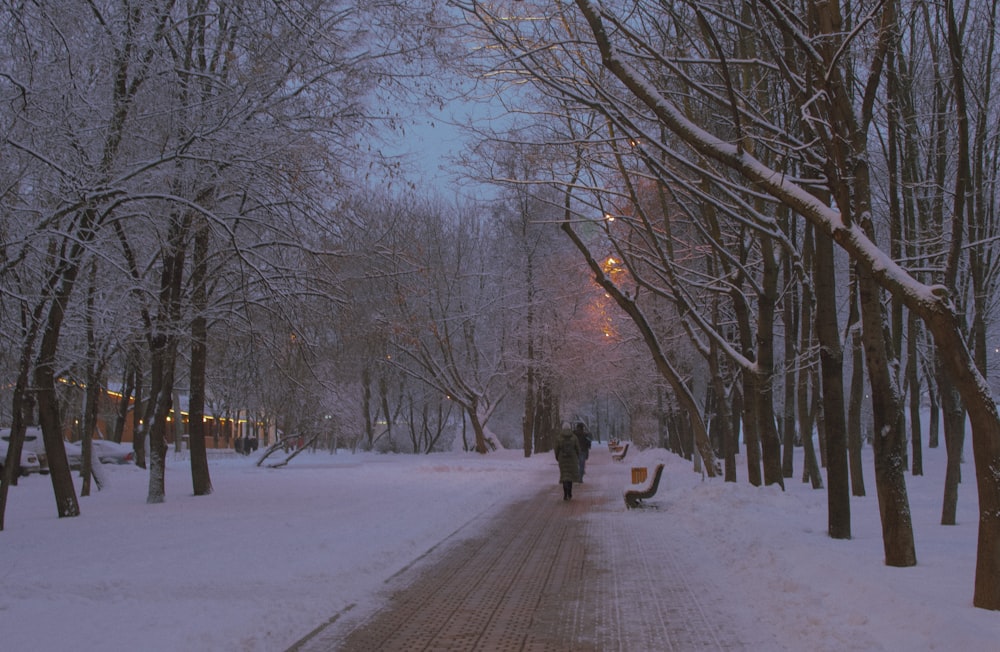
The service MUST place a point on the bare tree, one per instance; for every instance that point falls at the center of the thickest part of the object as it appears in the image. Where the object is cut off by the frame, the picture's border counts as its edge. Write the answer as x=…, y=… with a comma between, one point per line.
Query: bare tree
x=450, y=331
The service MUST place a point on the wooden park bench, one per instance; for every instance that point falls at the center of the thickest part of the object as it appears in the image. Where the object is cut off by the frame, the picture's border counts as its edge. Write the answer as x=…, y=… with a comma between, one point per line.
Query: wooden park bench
x=618, y=457
x=634, y=497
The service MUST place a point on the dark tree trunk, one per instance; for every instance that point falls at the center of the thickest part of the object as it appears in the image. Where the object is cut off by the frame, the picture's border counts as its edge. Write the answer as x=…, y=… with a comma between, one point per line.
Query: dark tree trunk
x=890, y=483
x=160, y=402
x=200, y=478
x=477, y=427
x=751, y=435
x=807, y=415
x=855, y=442
x=366, y=404
x=769, y=439
x=48, y=418
x=933, y=414
x=723, y=419
x=954, y=441
x=64, y=280
x=139, y=425
x=92, y=393
x=788, y=411
x=832, y=390
x=913, y=380
x=546, y=417
x=383, y=394
x=125, y=400
x=750, y=392
x=735, y=410
x=790, y=317
x=528, y=416
x=163, y=349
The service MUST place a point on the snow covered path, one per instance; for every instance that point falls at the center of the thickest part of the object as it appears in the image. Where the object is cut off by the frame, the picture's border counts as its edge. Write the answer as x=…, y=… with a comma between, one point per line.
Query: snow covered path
x=547, y=575
x=273, y=554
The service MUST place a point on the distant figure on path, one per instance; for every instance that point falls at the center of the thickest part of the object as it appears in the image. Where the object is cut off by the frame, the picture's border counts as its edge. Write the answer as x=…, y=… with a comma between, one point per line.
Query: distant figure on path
x=583, y=439
x=567, y=452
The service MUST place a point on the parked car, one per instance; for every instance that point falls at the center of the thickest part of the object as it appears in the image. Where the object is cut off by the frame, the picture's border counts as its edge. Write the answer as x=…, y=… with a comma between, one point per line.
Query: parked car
x=109, y=452
x=29, y=460
x=101, y=450
x=33, y=443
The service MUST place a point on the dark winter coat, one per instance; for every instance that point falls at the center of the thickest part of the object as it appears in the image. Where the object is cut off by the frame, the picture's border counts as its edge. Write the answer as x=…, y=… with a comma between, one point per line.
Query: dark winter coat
x=567, y=450
x=583, y=438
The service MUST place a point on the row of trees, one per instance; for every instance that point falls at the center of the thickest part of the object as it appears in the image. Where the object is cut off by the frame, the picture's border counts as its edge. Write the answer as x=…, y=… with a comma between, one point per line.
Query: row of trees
x=779, y=182
x=165, y=168
x=473, y=314
x=189, y=205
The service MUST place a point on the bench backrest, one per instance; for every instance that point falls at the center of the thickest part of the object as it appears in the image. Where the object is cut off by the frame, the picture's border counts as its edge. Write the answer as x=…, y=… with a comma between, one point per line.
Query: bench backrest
x=656, y=478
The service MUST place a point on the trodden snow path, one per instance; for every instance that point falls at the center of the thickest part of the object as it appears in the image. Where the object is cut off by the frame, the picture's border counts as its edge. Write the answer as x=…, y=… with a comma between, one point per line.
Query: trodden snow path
x=550, y=575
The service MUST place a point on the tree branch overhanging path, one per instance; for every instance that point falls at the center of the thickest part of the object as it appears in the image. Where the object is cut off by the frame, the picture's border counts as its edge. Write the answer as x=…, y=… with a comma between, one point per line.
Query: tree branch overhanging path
x=931, y=303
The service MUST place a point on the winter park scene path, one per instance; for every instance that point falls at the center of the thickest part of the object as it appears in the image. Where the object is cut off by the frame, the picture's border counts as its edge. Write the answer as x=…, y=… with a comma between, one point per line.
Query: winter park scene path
x=540, y=575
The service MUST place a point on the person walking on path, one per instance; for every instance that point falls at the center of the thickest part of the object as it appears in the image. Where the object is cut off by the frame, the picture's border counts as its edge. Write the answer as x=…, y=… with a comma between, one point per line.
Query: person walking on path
x=583, y=439
x=567, y=450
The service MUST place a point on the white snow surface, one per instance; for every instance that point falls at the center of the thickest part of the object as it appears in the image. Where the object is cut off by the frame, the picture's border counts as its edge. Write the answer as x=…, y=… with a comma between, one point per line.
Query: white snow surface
x=272, y=554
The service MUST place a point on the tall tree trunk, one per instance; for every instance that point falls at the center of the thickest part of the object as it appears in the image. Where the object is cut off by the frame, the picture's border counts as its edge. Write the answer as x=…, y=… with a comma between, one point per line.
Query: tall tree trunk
x=92, y=393
x=366, y=404
x=723, y=418
x=200, y=478
x=913, y=380
x=139, y=424
x=62, y=283
x=954, y=419
x=792, y=372
x=890, y=483
x=528, y=416
x=933, y=412
x=954, y=442
x=808, y=387
x=48, y=417
x=832, y=389
x=528, y=419
x=546, y=417
x=807, y=393
x=751, y=406
x=477, y=428
x=159, y=406
x=855, y=440
x=89, y=462
x=163, y=349
x=383, y=394
x=770, y=442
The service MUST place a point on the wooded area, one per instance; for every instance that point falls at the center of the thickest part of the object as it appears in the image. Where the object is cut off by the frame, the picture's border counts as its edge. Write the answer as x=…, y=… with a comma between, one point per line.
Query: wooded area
x=789, y=211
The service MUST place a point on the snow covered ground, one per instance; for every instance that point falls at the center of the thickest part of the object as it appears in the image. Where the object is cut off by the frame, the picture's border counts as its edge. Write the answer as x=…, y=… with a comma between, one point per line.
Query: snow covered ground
x=273, y=553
